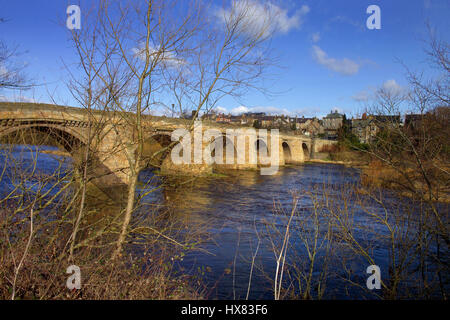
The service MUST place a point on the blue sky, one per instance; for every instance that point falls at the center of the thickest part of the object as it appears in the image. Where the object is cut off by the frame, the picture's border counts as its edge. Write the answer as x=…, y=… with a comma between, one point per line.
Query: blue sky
x=329, y=59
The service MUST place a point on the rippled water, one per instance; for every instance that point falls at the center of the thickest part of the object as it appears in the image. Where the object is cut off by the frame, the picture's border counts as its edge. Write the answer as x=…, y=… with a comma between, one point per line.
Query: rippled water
x=236, y=209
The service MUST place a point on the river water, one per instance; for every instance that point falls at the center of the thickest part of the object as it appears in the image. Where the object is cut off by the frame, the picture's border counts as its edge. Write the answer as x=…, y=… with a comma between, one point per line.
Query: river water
x=238, y=208
x=241, y=219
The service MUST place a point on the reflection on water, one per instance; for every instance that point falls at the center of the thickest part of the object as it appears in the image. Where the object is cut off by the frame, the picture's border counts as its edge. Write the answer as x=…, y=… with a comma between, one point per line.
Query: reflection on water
x=23, y=169
x=236, y=209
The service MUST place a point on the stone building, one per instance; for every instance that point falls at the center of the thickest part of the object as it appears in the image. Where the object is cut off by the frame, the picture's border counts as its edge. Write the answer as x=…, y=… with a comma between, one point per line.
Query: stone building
x=223, y=118
x=309, y=126
x=367, y=127
x=332, y=122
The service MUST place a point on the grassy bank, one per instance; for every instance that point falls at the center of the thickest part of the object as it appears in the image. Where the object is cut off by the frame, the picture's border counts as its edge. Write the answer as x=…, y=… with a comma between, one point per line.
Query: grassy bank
x=380, y=174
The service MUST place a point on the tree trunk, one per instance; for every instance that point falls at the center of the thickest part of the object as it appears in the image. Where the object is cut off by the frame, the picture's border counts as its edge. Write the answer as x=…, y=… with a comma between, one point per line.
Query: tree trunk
x=128, y=213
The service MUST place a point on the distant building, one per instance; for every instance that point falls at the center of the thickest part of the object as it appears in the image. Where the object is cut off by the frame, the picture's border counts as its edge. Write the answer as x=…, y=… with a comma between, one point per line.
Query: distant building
x=365, y=129
x=368, y=127
x=413, y=121
x=386, y=120
x=308, y=126
x=250, y=117
x=267, y=121
x=223, y=118
x=332, y=122
x=254, y=115
x=236, y=119
x=211, y=115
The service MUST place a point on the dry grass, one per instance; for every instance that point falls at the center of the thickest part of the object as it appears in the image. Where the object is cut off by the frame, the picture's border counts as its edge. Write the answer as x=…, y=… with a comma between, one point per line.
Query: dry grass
x=146, y=275
x=377, y=174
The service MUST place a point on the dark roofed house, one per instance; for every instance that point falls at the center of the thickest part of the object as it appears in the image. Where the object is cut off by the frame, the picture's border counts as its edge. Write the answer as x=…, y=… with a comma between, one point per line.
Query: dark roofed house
x=254, y=115
x=236, y=119
x=386, y=119
x=332, y=122
x=365, y=129
x=368, y=127
x=308, y=126
x=223, y=118
x=267, y=121
x=413, y=121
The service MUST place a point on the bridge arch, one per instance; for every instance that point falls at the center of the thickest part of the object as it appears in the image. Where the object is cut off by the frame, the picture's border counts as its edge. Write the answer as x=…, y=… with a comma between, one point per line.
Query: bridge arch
x=227, y=146
x=73, y=141
x=306, y=151
x=229, y=153
x=65, y=138
x=152, y=151
x=261, y=144
x=287, y=153
x=262, y=151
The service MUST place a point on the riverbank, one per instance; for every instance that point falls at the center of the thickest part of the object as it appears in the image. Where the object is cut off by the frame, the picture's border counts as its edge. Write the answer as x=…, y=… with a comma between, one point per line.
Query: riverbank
x=144, y=271
x=350, y=164
x=56, y=153
x=406, y=181
x=346, y=157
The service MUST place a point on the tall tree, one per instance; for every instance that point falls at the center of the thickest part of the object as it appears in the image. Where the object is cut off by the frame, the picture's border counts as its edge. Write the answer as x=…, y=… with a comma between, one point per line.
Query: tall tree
x=156, y=52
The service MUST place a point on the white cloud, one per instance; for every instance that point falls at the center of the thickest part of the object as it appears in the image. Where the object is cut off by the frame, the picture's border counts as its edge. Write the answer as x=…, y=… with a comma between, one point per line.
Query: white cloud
x=220, y=109
x=168, y=58
x=17, y=98
x=392, y=87
x=268, y=110
x=315, y=37
x=256, y=17
x=310, y=111
x=344, y=66
x=362, y=96
x=239, y=110
x=338, y=109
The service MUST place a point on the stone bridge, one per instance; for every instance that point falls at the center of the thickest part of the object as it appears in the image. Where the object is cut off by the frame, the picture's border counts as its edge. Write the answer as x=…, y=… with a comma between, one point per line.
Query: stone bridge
x=110, y=137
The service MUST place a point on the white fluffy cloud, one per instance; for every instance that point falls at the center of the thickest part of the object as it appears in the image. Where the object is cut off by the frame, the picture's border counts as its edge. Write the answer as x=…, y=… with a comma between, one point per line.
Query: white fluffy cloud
x=393, y=87
x=17, y=98
x=343, y=66
x=239, y=110
x=256, y=17
x=220, y=109
x=168, y=58
x=362, y=96
x=268, y=110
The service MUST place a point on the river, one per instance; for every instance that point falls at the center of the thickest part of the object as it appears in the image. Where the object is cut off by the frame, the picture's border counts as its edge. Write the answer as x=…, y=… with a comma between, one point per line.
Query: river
x=239, y=212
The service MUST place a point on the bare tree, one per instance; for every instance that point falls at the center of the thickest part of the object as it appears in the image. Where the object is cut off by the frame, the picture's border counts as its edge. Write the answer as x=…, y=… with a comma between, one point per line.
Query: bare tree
x=155, y=52
x=11, y=72
x=413, y=158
